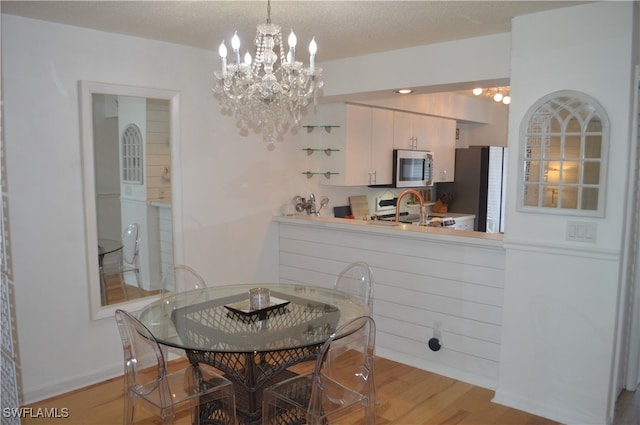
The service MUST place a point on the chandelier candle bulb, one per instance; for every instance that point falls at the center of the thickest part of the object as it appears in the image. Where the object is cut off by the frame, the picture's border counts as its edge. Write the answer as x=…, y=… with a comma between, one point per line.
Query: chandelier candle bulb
x=313, y=48
x=293, y=41
x=235, y=43
x=247, y=58
x=222, y=50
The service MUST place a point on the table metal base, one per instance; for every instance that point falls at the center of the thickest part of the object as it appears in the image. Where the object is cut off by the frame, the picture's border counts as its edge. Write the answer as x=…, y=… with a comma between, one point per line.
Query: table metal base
x=251, y=373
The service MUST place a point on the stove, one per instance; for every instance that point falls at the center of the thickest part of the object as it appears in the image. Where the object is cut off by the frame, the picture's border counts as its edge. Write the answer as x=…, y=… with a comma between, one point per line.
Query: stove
x=405, y=217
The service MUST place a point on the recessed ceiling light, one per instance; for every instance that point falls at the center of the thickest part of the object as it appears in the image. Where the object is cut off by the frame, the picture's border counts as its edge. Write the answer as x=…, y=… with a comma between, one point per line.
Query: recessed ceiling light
x=404, y=91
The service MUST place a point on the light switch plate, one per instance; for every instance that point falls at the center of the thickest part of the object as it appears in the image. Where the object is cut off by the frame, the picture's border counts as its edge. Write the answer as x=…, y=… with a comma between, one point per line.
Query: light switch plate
x=581, y=231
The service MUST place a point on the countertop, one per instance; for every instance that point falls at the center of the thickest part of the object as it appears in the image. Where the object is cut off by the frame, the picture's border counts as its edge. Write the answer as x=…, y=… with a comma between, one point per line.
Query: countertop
x=452, y=215
x=394, y=229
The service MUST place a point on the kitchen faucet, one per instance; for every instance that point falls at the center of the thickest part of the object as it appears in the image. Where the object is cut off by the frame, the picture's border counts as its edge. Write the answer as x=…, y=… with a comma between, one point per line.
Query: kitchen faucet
x=423, y=212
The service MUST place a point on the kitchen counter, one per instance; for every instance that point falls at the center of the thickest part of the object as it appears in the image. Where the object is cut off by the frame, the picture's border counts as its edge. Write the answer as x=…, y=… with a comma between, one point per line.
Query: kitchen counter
x=391, y=228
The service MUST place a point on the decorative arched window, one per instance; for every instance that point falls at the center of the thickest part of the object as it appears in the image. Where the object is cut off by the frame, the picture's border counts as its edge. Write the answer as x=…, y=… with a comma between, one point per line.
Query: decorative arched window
x=563, y=160
x=132, y=155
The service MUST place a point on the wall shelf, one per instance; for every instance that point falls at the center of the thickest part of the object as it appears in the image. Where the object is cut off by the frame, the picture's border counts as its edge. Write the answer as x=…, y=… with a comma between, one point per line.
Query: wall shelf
x=327, y=128
x=327, y=151
x=326, y=174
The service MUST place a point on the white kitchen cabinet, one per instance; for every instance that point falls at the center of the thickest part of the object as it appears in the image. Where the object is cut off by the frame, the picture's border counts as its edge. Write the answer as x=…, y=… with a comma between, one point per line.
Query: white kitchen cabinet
x=424, y=132
x=441, y=140
x=362, y=143
x=410, y=131
x=381, y=167
x=403, y=134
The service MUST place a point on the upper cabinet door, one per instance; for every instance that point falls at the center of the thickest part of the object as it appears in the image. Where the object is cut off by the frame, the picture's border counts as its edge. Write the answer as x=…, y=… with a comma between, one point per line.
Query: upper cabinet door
x=381, y=146
x=403, y=136
x=410, y=131
x=441, y=140
x=424, y=132
x=357, y=146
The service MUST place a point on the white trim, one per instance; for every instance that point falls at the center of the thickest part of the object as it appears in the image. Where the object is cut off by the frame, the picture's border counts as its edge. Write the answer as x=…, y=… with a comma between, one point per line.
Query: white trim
x=588, y=251
x=632, y=366
x=61, y=386
x=439, y=369
x=560, y=415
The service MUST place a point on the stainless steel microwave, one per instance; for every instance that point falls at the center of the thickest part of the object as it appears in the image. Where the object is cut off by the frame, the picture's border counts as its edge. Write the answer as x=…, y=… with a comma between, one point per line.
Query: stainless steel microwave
x=412, y=168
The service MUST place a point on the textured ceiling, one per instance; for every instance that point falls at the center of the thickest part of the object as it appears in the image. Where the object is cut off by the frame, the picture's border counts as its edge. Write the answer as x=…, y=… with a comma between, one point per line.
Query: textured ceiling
x=341, y=28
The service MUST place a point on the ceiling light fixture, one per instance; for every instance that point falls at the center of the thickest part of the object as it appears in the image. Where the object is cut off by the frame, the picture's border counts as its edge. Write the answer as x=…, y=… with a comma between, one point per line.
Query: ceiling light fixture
x=404, y=91
x=264, y=96
x=497, y=94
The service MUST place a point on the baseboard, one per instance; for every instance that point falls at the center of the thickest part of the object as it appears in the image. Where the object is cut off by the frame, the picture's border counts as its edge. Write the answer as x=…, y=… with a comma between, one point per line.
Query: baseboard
x=62, y=386
x=66, y=385
x=480, y=381
x=555, y=413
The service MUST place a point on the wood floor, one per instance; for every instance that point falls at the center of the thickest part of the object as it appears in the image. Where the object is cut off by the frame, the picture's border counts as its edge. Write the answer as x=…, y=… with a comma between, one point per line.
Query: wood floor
x=407, y=396
x=116, y=293
x=628, y=408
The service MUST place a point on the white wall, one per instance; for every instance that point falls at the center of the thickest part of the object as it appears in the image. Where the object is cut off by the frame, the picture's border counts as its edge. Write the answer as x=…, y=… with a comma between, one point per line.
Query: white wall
x=559, y=326
x=227, y=206
x=474, y=59
x=232, y=186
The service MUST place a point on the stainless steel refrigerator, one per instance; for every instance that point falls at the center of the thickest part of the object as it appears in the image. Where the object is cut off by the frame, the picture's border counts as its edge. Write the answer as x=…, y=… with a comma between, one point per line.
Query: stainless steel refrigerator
x=478, y=186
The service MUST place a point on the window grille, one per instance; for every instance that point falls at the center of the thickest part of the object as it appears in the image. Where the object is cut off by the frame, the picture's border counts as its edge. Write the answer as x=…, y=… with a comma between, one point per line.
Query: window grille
x=132, y=155
x=565, y=138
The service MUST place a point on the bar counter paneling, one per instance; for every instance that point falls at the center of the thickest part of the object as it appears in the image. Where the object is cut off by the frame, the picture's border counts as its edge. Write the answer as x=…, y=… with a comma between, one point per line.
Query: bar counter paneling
x=429, y=282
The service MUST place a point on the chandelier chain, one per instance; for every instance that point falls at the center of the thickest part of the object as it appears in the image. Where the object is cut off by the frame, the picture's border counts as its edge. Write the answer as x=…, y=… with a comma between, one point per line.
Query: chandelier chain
x=268, y=11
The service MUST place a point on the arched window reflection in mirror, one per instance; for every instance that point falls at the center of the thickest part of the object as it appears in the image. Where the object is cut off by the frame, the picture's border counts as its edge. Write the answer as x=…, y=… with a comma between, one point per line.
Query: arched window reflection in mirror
x=132, y=154
x=564, y=139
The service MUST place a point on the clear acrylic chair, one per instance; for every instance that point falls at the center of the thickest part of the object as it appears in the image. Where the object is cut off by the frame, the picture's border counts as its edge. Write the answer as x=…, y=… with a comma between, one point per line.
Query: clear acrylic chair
x=205, y=393
x=128, y=258
x=180, y=278
x=340, y=389
x=356, y=279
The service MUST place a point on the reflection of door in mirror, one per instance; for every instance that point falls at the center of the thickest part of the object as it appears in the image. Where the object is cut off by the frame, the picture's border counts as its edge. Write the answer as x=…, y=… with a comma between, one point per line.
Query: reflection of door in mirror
x=132, y=157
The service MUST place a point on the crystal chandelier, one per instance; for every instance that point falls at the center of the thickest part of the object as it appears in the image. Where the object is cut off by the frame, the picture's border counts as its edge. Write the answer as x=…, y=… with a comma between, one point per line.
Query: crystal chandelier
x=264, y=96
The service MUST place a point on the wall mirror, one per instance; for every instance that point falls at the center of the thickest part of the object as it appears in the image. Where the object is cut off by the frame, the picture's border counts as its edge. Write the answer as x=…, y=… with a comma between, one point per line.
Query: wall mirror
x=564, y=140
x=130, y=153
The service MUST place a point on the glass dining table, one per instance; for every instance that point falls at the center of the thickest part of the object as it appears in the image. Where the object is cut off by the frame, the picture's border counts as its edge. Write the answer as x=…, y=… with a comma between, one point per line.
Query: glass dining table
x=252, y=348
